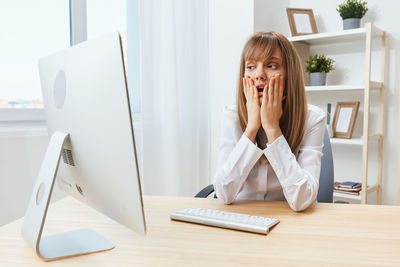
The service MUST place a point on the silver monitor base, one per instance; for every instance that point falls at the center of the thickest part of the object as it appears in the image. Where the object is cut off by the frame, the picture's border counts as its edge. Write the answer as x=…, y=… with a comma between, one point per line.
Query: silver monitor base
x=61, y=245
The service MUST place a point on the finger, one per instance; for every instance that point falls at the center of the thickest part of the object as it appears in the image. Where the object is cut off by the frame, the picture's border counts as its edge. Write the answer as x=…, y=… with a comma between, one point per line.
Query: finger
x=281, y=88
x=265, y=95
x=248, y=85
x=271, y=90
x=276, y=89
x=252, y=88
x=255, y=94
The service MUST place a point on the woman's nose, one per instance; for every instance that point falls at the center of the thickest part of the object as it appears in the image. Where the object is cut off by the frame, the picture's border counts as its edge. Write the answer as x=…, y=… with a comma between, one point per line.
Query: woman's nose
x=261, y=75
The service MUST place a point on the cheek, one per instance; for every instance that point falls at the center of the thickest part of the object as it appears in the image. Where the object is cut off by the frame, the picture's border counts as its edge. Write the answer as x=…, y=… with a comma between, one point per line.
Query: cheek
x=283, y=73
x=249, y=73
x=271, y=73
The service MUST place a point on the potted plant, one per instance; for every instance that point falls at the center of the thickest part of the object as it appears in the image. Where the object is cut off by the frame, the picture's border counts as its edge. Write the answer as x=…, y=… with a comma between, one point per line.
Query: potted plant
x=351, y=12
x=318, y=66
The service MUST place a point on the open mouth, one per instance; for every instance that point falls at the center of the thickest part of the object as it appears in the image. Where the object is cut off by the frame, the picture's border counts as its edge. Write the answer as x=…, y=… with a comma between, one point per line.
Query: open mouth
x=260, y=89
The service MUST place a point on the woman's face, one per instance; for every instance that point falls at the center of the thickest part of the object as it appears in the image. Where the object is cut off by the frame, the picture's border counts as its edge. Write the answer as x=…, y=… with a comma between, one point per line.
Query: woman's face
x=260, y=72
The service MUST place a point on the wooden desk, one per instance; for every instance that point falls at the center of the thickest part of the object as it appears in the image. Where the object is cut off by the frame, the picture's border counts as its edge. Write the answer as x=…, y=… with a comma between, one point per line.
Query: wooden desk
x=324, y=235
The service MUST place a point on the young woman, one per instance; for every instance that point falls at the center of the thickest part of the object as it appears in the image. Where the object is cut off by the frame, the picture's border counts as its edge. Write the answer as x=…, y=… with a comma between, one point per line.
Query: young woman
x=271, y=141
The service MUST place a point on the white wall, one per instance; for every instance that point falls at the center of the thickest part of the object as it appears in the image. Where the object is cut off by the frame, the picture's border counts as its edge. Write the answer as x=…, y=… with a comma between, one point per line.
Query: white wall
x=350, y=70
x=271, y=16
x=231, y=22
x=20, y=156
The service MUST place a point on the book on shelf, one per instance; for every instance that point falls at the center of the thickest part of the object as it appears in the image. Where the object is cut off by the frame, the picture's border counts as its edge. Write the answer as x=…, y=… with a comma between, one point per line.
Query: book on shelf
x=350, y=185
x=347, y=188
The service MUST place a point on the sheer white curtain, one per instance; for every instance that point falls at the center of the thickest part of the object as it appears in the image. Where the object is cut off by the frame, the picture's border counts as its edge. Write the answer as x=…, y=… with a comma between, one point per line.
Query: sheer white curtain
x=175, y=96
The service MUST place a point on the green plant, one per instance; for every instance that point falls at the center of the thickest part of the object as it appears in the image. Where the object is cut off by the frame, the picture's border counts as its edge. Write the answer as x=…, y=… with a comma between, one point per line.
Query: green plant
x=352, y=9
x=319, y=63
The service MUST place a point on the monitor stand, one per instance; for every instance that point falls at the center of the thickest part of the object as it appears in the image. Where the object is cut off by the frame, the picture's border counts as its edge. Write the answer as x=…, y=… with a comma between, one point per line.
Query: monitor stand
x=68, y=244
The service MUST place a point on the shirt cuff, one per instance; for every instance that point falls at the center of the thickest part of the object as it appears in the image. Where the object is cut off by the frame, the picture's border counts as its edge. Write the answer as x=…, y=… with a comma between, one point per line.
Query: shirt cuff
x=279, y=154
x=248, y=153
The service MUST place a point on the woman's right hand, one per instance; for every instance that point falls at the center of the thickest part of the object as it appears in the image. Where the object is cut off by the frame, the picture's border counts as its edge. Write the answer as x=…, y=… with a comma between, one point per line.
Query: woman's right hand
x=253, y=108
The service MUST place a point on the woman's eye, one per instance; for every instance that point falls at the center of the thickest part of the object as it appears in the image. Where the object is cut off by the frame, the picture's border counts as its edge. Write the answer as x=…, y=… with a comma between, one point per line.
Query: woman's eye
x=272, y=66
x=250, y=67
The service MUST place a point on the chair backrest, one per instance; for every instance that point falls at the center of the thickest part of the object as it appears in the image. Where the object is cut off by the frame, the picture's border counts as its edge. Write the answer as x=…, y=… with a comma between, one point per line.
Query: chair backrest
x=325, y=191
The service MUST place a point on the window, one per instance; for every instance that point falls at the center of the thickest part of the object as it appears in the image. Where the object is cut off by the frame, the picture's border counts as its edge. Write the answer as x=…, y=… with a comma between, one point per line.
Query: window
x=104, y=16
x=34, y=29
x=30, y=30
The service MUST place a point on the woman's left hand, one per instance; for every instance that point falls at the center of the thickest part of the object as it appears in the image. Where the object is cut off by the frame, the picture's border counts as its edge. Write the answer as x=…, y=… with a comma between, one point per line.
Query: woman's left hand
x=271, y=107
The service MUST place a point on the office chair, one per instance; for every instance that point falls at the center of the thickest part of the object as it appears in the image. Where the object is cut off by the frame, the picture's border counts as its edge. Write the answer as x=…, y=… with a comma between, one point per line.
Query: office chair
x=325, y=191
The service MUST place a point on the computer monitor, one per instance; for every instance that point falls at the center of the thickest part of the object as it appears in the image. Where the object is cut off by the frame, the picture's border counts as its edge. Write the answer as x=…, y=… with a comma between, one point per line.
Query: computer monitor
x=91, y=153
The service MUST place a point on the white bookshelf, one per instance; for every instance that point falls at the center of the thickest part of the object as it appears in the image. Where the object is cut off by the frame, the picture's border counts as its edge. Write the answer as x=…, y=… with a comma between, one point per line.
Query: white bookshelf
x=347, y=196
x=325, y=88
x=303, y=43
x=337, y=37
x=344, y=141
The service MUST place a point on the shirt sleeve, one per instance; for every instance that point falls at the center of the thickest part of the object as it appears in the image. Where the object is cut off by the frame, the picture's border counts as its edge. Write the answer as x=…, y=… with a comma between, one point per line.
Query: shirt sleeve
x=299, y=177
x=236, y=158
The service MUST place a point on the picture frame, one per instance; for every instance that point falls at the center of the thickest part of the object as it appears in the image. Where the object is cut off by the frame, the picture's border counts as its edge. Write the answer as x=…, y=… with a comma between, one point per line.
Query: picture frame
x=301, y=21
x=345, y=119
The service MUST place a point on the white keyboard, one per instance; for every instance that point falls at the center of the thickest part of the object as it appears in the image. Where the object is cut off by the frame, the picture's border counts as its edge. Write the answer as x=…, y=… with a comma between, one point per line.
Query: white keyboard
x=225, y=219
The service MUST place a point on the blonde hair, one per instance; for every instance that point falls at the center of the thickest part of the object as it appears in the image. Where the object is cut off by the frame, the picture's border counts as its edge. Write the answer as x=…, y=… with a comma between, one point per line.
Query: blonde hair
x=261, y=46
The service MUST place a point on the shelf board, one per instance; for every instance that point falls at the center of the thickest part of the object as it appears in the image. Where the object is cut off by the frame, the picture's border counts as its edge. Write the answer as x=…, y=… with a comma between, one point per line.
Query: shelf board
x=327, y=37
x=344, y=141
x=334, y=88
x=354, y=141
x=324, y=88
x=344, y=195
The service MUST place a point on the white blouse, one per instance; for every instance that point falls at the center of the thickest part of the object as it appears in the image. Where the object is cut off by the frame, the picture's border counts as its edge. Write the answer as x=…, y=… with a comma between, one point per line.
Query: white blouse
x=242, y=172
